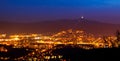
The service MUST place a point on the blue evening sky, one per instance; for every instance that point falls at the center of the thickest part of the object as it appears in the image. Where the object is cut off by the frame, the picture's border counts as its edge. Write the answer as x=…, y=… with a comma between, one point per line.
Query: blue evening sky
x=38, y=10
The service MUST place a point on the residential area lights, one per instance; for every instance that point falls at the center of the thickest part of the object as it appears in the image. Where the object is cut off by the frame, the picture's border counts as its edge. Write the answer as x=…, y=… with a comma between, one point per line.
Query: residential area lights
x=44, y=45
x=77, y=37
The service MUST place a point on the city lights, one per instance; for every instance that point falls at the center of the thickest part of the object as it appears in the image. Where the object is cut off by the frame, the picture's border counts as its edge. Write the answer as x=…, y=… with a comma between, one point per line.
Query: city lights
x=45, y=44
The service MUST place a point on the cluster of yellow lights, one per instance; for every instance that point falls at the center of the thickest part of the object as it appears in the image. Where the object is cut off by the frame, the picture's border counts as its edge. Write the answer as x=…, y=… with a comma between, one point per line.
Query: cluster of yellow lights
x=64, y=37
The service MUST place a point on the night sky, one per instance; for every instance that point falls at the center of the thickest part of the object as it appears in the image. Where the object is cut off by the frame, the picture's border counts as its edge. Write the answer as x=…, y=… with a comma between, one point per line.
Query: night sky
x=39, y=10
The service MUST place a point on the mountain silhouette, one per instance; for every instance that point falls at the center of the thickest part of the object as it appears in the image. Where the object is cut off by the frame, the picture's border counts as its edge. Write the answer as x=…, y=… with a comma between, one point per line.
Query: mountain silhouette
x=94, y=27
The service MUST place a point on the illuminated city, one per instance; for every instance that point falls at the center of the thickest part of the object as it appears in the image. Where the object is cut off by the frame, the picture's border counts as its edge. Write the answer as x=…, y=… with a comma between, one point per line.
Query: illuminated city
x=59, y=30
x=43, y=45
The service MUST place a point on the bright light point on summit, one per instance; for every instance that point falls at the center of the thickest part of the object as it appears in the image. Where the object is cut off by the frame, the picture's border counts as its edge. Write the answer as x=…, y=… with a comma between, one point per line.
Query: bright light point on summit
x=82, y=17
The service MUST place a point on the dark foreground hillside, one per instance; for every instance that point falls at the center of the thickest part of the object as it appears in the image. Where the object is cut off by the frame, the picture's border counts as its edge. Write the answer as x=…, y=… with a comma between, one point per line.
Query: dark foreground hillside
x=14, y=52
x=70, y=53
x=77, y=54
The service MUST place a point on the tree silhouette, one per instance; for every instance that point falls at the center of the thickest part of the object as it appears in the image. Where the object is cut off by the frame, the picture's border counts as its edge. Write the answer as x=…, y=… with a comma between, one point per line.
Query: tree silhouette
x=118, y=35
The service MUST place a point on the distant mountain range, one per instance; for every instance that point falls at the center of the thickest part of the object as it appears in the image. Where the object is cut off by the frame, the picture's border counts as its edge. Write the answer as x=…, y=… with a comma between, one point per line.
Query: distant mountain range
x=94, y=27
